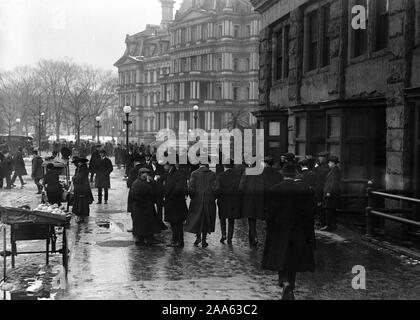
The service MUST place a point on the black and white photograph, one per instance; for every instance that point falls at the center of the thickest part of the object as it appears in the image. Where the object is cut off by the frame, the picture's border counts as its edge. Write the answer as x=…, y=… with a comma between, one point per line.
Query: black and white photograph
x=232, y=152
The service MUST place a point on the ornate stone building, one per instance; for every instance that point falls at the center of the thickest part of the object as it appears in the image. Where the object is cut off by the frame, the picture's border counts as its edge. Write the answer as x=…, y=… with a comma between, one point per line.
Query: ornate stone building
x=144, y=63
x=324, y=85
x=214, y=64
x=206, y=56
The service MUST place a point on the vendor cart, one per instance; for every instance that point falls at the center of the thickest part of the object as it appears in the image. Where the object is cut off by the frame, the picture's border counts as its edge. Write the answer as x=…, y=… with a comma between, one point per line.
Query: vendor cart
x=35, y=225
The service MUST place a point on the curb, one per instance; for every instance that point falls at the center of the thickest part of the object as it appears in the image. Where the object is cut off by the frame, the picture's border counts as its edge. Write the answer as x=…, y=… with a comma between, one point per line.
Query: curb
x=397, y=249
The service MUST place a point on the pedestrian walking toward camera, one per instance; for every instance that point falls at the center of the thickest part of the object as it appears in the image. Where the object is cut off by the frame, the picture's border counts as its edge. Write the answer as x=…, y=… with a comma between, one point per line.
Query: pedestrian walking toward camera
x=37, y=171
x=103, y=171
x=228, y=201
x=290, y=240
x=83, y=197
x=141, y=195
x=201, y=217
x=19, y=165
x=331, y=199
x=176, y=210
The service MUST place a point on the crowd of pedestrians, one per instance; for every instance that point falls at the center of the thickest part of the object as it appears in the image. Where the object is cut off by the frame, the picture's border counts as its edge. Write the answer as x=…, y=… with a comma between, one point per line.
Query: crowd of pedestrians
x=288, y=196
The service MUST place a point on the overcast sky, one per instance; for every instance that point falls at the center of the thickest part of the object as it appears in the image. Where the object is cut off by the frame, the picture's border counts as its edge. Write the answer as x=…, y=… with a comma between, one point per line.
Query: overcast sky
x=87, y=31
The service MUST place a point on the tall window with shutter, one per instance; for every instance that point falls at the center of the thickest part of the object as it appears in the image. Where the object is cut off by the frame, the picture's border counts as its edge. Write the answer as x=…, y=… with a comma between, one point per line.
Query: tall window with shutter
x=279, y=55
x=325, y=13
x=313, y=40
x=382, y=24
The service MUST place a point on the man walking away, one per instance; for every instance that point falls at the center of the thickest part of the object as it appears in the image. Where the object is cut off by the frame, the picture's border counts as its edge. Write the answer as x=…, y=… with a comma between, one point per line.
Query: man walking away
x=290, y=240
x=201, y=218
x=332, y=194
x=103, y=170
x=37, y=171
x=20, y=169
x=176, y=210
x=228, y=201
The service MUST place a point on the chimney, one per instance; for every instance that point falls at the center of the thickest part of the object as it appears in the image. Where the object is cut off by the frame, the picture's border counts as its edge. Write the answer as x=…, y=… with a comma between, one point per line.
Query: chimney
x=167, y=12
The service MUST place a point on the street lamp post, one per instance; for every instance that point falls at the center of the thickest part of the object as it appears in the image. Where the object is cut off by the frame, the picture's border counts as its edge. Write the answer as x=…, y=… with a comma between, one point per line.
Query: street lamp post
x=127, y=122
x=41, y=126
x=98, y=126
x=195, y=108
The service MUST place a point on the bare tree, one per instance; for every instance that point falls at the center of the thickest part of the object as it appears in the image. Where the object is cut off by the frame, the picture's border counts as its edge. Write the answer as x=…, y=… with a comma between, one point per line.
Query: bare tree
x=102, y=92
x=53, y=75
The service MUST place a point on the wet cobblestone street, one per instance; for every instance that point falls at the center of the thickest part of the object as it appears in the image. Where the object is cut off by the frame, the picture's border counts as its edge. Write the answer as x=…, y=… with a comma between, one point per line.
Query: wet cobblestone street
x=106, y=264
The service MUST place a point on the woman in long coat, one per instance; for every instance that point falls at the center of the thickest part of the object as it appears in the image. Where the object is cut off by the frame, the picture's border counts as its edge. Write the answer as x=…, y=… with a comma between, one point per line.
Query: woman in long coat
x=176, y=210
x=145, y=222
x=251, y=193
x=201, y=218
x=228, y=201
x=290, y=240
x=83, y=197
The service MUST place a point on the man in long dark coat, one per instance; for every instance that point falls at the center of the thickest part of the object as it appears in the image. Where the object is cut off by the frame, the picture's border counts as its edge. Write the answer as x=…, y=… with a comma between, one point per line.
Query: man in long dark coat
x=228, y=201
x=201, y=217
x=271, y=176
x=157, y=172
x=6, y=168
x=83, y=197
x=176, y=210
x=141, y=195
x=94, y=159
x=103, y=171
x=37, y=171
x=331, y=199
x=251, y=193
x=139, y=162
x=290, y=240
x=321, y=171
x=20, y=169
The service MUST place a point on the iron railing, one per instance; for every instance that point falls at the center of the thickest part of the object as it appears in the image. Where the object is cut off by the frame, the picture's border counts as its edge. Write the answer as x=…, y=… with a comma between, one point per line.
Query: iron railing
x=387, y=213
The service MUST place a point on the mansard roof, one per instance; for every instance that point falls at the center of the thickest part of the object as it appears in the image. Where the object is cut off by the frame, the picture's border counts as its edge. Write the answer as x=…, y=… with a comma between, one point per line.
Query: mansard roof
x=210, y=6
